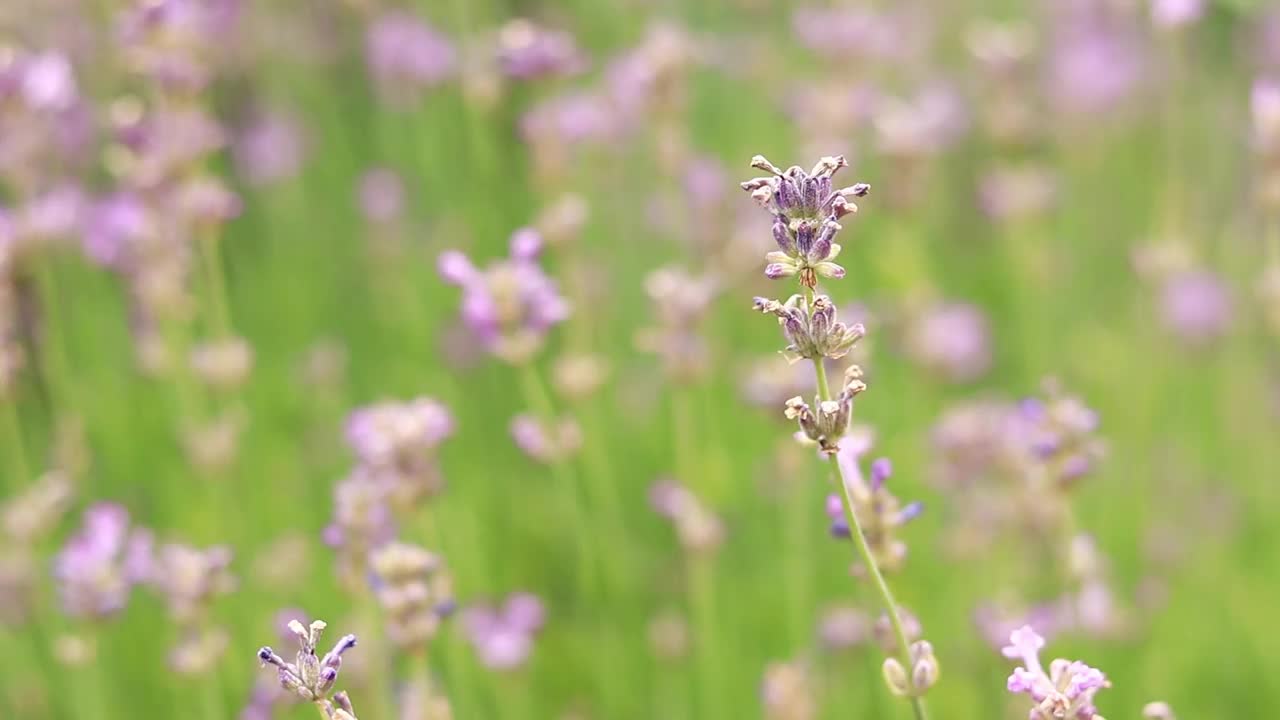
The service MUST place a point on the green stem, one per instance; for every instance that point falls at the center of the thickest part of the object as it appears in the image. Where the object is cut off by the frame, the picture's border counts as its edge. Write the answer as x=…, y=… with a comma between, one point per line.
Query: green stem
x=864, y=552
x=215, y=283
x=539, y=400
x=702, y=588
x=53, y=354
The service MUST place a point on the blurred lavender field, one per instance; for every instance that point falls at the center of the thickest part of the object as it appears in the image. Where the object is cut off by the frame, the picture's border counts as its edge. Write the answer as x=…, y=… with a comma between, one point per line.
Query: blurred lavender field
x=433, y=321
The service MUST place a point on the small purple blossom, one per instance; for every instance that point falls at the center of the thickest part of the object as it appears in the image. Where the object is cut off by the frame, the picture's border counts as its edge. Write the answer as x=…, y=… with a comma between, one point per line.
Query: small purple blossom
x=952, y=340
x=270, y=150
x=93, y=569
x=503, y=636
x=805, y=208
x=1064, y=693
x=1196, y=306
x=511, y=304
x=405, y=56
x=527, y=50
x=381, y=194
x=310, y=677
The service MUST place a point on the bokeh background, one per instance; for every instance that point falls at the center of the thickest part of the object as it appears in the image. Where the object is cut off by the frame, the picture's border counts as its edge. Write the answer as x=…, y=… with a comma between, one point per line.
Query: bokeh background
x=220, y=225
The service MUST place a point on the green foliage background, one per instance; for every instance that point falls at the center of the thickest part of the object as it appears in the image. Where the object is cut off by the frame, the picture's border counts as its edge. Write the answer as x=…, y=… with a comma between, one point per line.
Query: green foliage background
x=1191, y=434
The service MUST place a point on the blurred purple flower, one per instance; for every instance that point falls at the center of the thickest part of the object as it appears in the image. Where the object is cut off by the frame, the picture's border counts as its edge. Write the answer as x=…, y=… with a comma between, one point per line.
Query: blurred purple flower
x=527, y=50
x=99, y=564
x=1064, y=693
x=1171, y=14
x=1095, y=65
x=381, y=195
x=1196, y=306
x=852, y=33
x=953, y=340
x=48, y=82
x=1010, y=193
x=270, y=150
x=569, y=119
x=503, y=637
x=405, y=55
x=511, y=304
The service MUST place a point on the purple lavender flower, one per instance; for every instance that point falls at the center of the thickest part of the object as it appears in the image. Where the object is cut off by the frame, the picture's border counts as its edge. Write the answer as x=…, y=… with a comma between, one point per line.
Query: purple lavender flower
x=827, y=421
x=569, y=119
x=787, y=692
x=48, y=82
x=811, y=328
x=953, y=340
x=309, y=677
x=546, y=442
x=270, y=150
x=178, y=42
x=805, y=208
x=1015, y=193
x=415, y=591
x=1174, y=14
x=92, y=569
x=1264, y=106
x=511, y=304
x=405, y=56
x=697, y=528
x=527, y=51
x=1196, y=306
x=879, y=512
x=855, y=33
x=381, y=195
x=503, y=637
x=1096, y=62
x=1064, y=693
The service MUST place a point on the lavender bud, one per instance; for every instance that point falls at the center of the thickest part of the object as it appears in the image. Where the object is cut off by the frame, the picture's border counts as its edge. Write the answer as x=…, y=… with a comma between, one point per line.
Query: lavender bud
x=895, y=677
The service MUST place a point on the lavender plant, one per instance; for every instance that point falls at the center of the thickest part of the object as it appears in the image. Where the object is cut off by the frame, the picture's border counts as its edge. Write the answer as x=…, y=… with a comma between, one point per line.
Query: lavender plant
x=806, y=208
x=312, y=678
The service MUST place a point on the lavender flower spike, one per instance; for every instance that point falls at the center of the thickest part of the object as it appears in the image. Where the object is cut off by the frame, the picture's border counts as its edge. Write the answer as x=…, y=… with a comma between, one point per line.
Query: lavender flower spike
x=309, y=677
x=805, y=209
x=828, y=420
x=811, y=328
x=1064, y=693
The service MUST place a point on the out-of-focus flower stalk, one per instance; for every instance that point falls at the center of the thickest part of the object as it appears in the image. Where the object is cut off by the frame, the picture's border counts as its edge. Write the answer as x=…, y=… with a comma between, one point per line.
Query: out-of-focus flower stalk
x=539, y=400
x=864, y=550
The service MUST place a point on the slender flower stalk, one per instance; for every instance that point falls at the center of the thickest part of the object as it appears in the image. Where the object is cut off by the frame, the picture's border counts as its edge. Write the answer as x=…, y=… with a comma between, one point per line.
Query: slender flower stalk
x=805, y=208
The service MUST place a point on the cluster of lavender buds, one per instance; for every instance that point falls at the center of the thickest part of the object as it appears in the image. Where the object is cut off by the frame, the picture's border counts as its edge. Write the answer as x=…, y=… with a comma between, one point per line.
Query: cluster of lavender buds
x=1041, y=446
x=922, y=676
x=806, y=209
x=98, y=566
x=406, y=57
x=827, y=421
x=951, y=340
x=312, y=678
x=362, y=521
x=26, y=521
x=788, y=692
x=414, y=589
x=879, y=511
x=528, y=51
x=503, y=636
x=1265, y=109
x=1064, y=693
x=698, y=529
x=548, y=441
x=1194, y=304
x=190, y=579
x=681, y=302
x=396, y=444
x=811, y=328
x=510, y=305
